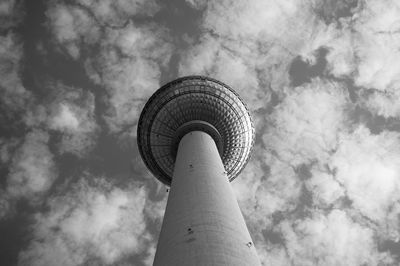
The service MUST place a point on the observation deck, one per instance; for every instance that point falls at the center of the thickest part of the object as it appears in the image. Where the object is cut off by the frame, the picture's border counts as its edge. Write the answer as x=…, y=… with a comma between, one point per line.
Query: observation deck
x=194, y=103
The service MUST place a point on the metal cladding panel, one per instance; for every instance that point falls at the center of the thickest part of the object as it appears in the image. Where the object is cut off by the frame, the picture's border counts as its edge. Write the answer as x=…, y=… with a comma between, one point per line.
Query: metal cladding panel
x=187, y=99
x=203, y=224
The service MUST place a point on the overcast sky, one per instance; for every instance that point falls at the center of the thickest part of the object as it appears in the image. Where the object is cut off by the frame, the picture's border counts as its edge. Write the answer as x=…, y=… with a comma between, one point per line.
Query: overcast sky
x=322, y=81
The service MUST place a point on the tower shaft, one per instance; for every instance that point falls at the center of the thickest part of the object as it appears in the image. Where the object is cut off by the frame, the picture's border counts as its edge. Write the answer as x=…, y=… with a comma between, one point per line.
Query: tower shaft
x=202, y=224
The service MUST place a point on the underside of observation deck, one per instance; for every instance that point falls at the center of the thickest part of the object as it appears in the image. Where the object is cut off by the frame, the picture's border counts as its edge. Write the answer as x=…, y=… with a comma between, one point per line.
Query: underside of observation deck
x=194, y=98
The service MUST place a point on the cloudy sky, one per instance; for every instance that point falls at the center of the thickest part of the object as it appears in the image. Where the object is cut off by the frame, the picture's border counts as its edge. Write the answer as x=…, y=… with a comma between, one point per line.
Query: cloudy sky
x=322, y=81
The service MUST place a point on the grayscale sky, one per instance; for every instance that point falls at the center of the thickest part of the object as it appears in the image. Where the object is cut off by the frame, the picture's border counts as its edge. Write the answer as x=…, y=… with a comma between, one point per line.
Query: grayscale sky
x=322, y=81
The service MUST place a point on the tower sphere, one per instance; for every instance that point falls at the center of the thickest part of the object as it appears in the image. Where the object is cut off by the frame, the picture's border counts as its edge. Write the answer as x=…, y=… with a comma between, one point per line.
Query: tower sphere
x=194, y=103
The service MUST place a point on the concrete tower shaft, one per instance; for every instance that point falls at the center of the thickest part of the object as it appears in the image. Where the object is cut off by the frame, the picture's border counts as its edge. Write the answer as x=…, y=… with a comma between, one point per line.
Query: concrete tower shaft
x=203, y=224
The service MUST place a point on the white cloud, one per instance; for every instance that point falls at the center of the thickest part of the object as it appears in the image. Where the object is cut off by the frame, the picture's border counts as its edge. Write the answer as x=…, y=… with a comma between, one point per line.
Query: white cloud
x=72, y=114
x=364, y=46
x=290, y=25
x=228, y=64
x=93, y=221
x=325, y=189
x=306, y=124
x=6, y=7
x=251, y=47
x=150, y=255
x=70, y=24
x=238, y=19
x=65, y=119
x=377, y=38
x=339, y=41
x=273, y=255
x=261, y=194
x=81, y=24
x=129, y=67
x=386, y=104
x=32, y=170
x=332, y=239
x=278, y=193
x=367, y=166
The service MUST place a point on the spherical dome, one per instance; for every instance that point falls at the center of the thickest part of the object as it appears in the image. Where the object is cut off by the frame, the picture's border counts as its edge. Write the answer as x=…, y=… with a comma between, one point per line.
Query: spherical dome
x=194, y=103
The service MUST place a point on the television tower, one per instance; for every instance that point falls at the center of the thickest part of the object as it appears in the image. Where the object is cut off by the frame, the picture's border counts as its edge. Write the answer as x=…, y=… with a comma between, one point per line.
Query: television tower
x=195, y=135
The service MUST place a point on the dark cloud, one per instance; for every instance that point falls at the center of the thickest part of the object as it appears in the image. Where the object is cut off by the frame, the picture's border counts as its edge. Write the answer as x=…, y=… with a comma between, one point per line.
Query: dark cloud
x=391, y=246
x=273, y=237
x=332, y=10
x=301, y=71
x=304, y=171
